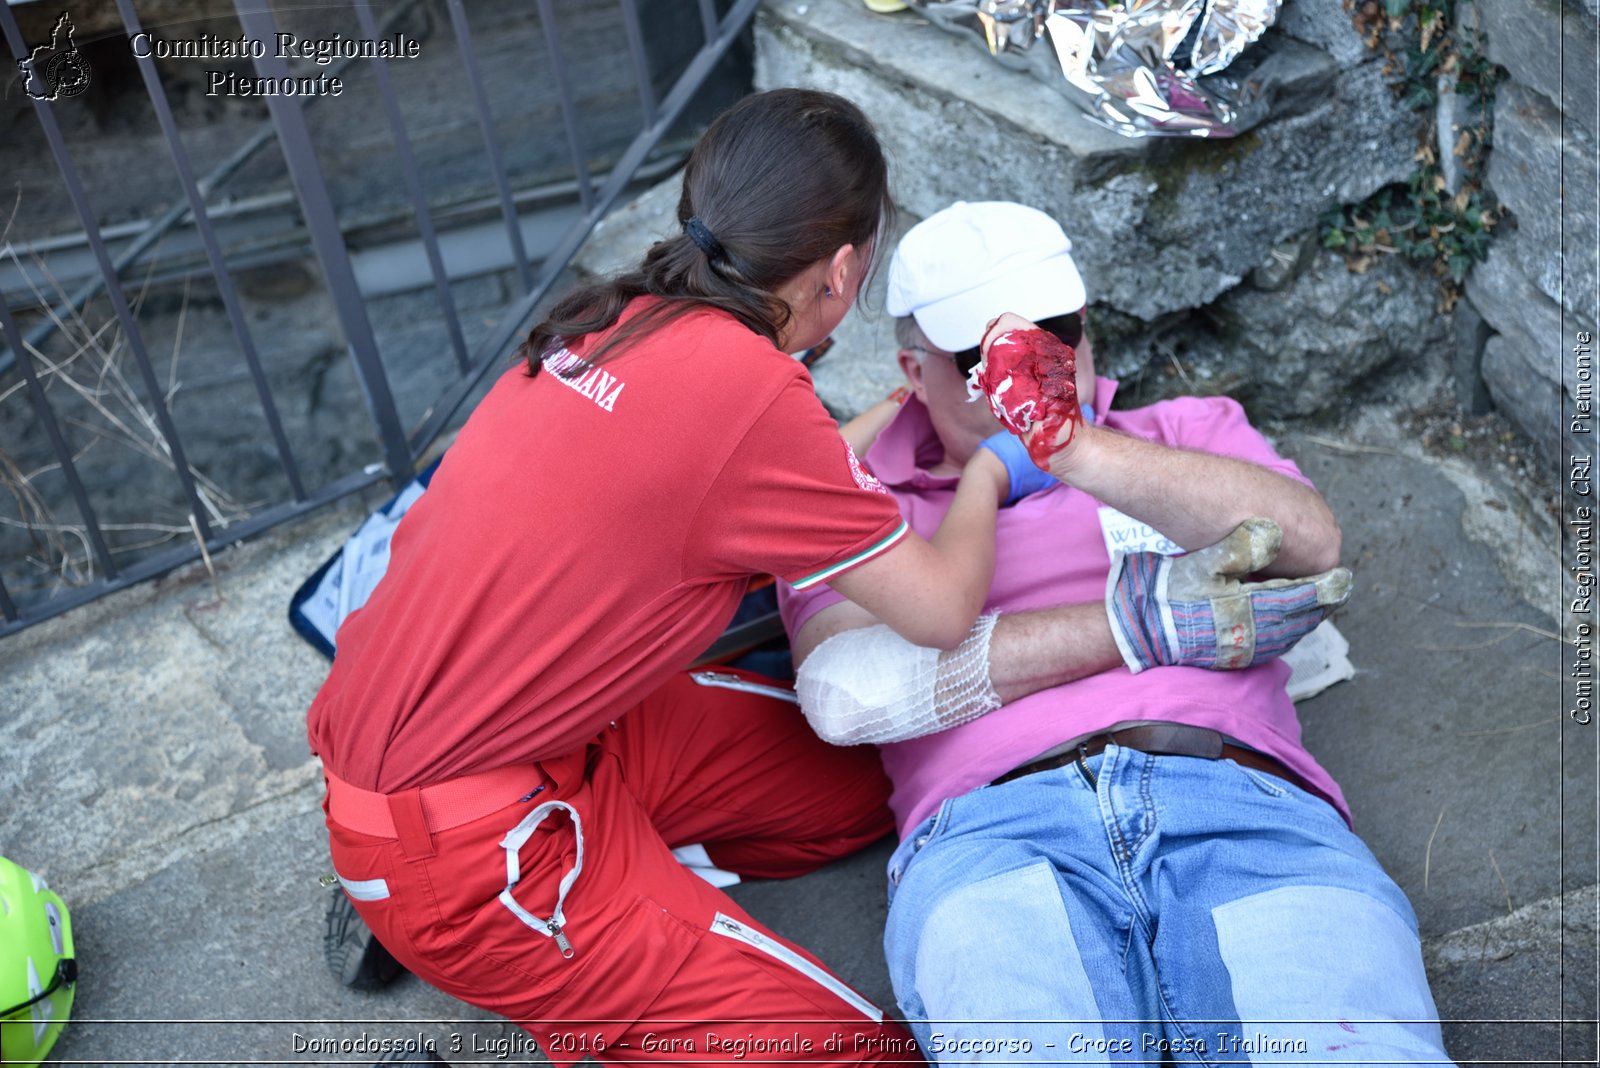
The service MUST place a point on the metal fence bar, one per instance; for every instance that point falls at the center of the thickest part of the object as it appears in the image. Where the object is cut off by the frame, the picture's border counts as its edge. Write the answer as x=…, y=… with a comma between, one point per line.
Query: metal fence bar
x=519, y=253
x=419, y=199
x=516, y=318
x=130, y=328
x=326, y=239
x=641, y=63
x=708, y=19
x=7, y=610
x=58, y=443
x=569, y=110
x=219, y=266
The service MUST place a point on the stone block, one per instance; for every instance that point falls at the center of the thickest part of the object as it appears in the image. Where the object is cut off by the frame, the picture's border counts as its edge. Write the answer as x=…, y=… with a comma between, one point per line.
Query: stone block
x=1471, y=335
x=1514, y=305
x=1159, y=225
x=1550, y=47
x=1533, y=403
x=1300, y=349
x=1510, y=303
x=1536, y=160
x=1327, y=26
x=1528, y=366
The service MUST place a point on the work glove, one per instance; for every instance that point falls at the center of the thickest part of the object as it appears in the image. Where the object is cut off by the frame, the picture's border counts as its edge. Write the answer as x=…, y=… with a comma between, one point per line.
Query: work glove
x=1025, y=477
x=1196, y=610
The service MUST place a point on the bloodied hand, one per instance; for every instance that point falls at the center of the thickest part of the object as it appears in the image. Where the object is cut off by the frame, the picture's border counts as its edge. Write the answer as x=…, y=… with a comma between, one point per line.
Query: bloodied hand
x=1030, y=379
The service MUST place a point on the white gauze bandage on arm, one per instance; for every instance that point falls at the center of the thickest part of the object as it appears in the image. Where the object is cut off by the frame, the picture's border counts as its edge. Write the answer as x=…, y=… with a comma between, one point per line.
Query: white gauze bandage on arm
x=871, y=685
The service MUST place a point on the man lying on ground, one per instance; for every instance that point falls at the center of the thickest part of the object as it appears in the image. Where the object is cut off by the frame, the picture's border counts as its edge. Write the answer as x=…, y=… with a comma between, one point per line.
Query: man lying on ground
x=1110, y=843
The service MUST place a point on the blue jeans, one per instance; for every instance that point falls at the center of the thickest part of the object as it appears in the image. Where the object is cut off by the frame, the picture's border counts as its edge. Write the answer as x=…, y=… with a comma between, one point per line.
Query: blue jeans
x=1158, y=907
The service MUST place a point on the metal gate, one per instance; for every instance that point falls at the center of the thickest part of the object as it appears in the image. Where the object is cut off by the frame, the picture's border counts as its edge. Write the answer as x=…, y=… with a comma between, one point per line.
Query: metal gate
x=48, y=78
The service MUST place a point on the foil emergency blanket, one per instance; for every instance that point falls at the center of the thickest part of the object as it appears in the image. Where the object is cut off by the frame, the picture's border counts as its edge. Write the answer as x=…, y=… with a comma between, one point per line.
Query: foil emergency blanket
x=1140, y=67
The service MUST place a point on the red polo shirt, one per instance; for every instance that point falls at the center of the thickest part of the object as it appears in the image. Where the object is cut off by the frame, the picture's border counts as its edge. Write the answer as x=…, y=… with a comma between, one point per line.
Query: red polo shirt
x=586, y=537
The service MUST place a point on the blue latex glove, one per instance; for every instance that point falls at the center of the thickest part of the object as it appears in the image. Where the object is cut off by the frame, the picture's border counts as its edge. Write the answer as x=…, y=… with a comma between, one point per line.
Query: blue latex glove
x=1196, y=610
x=1025, y=477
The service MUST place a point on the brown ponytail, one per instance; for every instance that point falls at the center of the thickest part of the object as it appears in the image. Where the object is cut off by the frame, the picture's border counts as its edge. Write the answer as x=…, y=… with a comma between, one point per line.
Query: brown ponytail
x=779, y=181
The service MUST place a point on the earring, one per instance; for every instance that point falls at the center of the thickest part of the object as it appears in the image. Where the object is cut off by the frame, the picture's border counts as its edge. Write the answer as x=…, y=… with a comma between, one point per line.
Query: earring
x=827, y=291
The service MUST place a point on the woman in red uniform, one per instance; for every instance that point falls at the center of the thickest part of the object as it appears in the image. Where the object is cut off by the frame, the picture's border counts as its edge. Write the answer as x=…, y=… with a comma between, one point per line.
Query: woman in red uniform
x=512, y=743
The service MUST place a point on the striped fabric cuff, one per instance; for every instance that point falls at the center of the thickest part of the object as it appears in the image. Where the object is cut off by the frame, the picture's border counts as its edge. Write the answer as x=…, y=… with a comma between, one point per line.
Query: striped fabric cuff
x=859, y=558
x=1131, y=603
x=1237, y=627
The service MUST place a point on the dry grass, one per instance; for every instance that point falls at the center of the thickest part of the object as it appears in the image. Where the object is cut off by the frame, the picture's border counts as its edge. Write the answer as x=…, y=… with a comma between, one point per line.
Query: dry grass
x=90, y=392
x=1427, y=852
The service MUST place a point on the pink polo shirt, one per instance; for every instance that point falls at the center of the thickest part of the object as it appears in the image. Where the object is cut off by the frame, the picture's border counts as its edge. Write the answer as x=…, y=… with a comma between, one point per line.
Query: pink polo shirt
x=1052, y=552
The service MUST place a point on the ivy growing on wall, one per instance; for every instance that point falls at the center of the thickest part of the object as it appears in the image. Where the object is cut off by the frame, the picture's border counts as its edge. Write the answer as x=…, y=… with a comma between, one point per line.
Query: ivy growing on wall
x=1427, y=45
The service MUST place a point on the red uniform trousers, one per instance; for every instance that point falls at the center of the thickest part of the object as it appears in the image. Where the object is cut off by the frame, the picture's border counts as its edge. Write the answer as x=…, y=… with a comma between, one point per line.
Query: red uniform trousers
x=650, y=961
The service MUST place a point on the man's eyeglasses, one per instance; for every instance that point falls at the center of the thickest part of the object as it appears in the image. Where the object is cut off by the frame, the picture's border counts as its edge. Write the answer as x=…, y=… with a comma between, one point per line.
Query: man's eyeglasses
x=1068, y=328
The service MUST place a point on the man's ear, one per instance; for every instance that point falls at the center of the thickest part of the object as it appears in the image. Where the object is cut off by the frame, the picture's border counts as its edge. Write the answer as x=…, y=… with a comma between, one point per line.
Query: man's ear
x=911, y=367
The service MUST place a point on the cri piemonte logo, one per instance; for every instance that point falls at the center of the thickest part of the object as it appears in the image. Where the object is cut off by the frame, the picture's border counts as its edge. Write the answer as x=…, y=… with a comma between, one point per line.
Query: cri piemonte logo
x=57, y=70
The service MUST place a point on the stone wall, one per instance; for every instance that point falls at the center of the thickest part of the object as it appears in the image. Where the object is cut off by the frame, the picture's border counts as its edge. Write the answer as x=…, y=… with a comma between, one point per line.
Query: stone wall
x=1537, y=289
x=1202, y=259
x=1205, y=268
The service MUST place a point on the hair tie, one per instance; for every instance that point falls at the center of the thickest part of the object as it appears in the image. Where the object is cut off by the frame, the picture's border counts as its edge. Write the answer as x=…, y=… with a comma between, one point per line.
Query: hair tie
x=703, y=238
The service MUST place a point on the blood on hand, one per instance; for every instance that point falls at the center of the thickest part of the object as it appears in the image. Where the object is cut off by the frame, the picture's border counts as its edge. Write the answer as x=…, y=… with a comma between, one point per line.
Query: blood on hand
x=1030, y=378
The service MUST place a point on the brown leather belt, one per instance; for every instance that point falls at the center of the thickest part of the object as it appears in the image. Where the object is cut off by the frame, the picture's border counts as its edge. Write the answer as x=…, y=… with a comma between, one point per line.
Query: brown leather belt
x=1161, y=739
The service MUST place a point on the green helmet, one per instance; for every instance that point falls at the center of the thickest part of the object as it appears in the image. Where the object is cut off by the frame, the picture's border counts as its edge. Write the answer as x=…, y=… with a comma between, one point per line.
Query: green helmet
x=37, y=968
